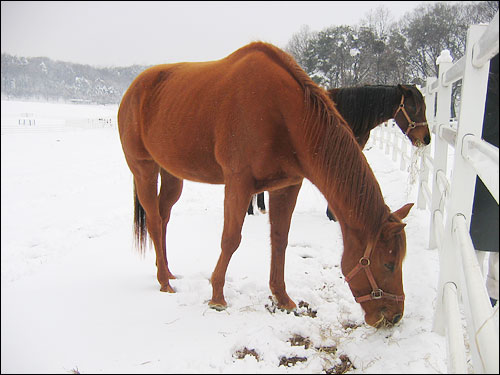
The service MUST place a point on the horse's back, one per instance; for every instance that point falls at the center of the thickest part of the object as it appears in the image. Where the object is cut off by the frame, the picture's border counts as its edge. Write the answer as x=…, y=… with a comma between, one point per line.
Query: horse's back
x=197, y=120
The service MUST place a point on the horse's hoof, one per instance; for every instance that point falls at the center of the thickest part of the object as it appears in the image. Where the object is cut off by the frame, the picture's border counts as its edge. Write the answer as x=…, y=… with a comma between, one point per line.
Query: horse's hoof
x=288, y=310
x=288, y=307
x=217, y=306
x=167, y=288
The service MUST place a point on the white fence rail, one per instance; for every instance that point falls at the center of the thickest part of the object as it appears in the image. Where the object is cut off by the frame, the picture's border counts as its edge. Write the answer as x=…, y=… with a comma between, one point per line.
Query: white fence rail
x=448, y=192
x=29, y=122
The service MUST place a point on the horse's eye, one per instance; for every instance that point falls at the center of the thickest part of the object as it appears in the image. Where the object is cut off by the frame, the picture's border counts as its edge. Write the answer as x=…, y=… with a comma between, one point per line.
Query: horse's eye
x=389, y=266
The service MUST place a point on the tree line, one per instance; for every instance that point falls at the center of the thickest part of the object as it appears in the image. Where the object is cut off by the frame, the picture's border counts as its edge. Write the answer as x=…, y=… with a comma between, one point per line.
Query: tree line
x=380, y=50
x=41, y=78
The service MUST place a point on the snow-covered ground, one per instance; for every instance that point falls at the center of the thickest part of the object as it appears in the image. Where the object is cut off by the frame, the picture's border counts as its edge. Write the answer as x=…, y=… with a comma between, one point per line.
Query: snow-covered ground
x=77, y=297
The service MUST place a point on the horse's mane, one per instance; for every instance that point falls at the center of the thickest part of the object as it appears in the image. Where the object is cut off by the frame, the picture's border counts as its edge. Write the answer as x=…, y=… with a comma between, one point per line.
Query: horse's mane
x=340, y=165
x=365, y=107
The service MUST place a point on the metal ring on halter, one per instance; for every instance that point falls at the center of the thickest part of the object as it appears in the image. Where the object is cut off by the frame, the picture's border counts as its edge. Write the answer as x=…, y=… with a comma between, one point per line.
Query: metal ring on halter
x=411, y=126
x=366, y=262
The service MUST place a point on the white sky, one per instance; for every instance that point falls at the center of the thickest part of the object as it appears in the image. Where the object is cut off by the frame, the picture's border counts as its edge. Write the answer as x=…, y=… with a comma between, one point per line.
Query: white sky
x=126, y=33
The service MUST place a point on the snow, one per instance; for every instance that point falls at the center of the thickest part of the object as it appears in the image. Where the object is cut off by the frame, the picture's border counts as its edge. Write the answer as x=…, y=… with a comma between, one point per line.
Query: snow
x=77, y=297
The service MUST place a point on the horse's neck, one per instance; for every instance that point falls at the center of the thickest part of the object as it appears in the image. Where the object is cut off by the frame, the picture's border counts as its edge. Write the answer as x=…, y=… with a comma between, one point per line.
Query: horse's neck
x=340, y=171
x=391, y=103
x=363, y=121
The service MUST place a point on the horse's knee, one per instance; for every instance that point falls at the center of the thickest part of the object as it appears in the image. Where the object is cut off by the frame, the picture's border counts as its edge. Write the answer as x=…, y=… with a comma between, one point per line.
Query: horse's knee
x=279, y=240
x=229, y=244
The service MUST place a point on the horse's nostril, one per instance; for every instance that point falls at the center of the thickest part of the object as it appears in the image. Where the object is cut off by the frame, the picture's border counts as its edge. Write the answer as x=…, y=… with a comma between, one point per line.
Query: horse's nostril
x=396, y=318
x=427, y=139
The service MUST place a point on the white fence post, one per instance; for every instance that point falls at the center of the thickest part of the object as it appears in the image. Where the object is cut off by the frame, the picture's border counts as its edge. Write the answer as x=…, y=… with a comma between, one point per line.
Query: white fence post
x=395, y=148
x=402, y=165
x=474, y=86
x=423, y=196
x=461, y=287
x=461, y=283
x=423, y=190
x=440, y=146
x=458, y=263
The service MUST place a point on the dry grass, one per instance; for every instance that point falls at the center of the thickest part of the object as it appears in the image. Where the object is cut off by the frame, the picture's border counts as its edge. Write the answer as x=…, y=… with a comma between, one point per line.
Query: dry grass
x=303, y=309
x=341, y=364
x=350, y=325
x=298, y=340
x=242, y=353
x=344, y=366
x=291, y=361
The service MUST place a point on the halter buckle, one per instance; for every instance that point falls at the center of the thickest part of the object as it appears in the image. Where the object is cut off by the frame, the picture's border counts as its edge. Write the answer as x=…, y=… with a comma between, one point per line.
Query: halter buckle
x=377, y=294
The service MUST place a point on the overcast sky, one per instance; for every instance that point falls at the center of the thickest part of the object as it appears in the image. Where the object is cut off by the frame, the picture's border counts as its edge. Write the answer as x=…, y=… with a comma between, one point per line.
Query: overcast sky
x=127, y=33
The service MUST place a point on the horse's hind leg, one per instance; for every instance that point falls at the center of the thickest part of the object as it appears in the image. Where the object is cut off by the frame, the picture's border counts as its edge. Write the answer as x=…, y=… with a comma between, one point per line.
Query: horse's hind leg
x=170, y=191
x=330, y=214
x=250, y=206
x=281, y=206
x=146, y=183
x=260, y=202
x=236, y=199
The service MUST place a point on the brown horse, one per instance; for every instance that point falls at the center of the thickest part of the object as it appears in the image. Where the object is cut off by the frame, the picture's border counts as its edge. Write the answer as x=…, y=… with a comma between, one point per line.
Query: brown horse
x=366, y=107
x=255, y=121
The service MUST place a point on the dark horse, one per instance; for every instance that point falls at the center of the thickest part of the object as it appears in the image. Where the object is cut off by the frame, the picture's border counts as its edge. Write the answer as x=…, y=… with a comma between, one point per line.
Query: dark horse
x=255, y=121
x=366, y=107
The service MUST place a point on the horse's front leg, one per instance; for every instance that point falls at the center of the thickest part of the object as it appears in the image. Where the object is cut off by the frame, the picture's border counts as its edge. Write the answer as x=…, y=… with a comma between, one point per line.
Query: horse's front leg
x=281, y=206
x=236, y=199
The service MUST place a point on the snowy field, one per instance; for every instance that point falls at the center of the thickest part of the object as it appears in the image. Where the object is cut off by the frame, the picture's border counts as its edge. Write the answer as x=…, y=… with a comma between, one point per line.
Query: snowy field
x=77, y=297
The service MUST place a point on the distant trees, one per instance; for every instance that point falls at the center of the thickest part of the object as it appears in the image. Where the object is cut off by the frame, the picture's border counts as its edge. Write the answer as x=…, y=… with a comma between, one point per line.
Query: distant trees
x=381, y=51
x=378, y=50
x=44, y=79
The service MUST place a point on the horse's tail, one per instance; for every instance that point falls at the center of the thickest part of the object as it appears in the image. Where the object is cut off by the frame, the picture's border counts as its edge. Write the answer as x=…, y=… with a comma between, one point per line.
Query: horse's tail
x=140, y=228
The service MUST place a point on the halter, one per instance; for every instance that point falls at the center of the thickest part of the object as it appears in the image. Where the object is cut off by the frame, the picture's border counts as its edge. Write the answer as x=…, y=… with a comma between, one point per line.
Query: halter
x=376, y=293
x=411, y=124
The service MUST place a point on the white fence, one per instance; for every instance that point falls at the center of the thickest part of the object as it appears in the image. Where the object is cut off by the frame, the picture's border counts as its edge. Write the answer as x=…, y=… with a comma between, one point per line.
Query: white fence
x=447, y=176
x=29, y=122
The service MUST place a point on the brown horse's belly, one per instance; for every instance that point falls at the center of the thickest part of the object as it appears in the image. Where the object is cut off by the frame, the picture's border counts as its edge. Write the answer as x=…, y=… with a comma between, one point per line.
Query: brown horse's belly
x=184, y=166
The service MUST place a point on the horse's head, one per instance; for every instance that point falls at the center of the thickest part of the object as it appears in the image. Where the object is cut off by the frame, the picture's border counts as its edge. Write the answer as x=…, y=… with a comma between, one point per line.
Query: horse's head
x=410, y=115
x=373, y=270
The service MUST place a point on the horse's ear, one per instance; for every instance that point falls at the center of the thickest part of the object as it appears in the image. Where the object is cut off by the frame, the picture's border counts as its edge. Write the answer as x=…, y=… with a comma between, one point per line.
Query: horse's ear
x=391, y=228
x=404, y=90
x=403, y=211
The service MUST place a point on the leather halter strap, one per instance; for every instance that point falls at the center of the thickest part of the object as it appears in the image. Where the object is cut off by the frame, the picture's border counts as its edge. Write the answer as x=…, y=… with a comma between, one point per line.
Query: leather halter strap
x=376, y=293
x=411, y=124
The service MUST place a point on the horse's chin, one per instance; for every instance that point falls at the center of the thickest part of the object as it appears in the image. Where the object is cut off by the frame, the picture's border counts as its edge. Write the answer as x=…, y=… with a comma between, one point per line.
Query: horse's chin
x=417, y=143
x=378, y=321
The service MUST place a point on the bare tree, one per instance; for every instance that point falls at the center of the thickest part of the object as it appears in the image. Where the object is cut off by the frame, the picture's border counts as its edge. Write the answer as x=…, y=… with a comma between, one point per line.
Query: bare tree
x=379, y=20
x=298, y=44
